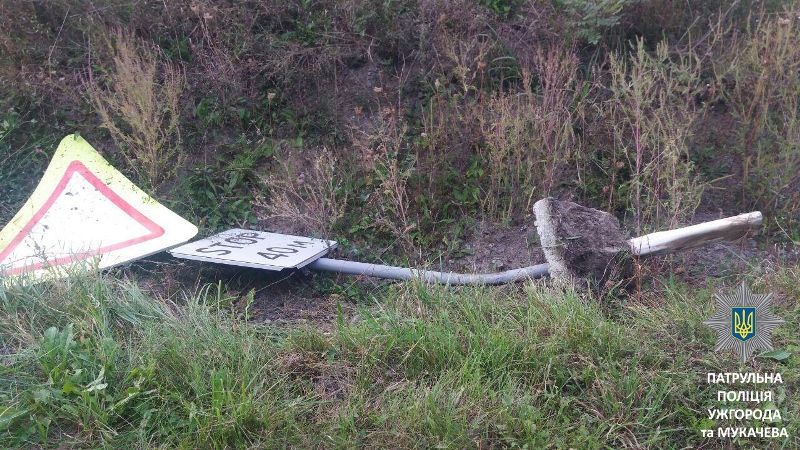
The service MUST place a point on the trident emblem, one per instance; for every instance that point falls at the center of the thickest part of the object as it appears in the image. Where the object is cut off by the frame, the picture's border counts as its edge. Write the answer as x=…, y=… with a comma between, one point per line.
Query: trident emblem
x=743, y=323
x=740, y=317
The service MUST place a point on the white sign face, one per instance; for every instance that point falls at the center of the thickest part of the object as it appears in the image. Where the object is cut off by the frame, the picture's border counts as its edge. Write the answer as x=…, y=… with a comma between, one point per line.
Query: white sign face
x=257, y=249
x=84, y=213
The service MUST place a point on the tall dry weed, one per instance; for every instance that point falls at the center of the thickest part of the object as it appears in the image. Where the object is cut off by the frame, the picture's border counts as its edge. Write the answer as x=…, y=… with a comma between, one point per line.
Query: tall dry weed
x=516, y=137
x=313, y=199
x=138, y=104
x=528, y=133
x=759, y=70
x=652, y=113
x=392, y=167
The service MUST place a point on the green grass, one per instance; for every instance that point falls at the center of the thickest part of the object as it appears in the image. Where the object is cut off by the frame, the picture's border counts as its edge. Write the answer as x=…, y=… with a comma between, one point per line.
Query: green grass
x=428, y=116
x=94, y=362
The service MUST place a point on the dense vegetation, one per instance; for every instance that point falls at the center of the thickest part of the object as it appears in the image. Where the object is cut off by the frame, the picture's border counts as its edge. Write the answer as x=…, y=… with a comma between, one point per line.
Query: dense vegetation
x=394, y=127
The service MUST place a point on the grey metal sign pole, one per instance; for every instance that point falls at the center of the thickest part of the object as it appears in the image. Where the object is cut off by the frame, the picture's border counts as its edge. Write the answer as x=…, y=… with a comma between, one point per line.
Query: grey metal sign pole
x=402, y=273
x=273, y=251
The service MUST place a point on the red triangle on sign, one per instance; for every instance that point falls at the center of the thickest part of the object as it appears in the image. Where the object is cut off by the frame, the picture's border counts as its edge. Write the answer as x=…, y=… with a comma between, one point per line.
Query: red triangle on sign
x=153, y=230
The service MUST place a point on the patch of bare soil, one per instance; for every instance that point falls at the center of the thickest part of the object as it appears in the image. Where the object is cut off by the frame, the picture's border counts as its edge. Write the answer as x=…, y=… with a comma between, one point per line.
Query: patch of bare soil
x=488, y=248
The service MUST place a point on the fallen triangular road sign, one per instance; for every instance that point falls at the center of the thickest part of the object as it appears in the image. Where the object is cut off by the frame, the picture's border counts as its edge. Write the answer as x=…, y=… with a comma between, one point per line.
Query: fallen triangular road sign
x=85, y=212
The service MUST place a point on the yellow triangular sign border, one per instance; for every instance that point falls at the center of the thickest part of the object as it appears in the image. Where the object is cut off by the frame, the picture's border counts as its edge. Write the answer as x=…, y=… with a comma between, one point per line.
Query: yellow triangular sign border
x=165, y=229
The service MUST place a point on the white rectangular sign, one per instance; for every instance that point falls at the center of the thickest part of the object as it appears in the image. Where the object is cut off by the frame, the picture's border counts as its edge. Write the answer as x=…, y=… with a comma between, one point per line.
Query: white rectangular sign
x=256, y=249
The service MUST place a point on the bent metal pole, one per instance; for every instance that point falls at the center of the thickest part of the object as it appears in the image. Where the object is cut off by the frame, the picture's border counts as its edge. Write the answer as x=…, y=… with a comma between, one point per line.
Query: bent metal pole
x=659, y=243
x=403, y=273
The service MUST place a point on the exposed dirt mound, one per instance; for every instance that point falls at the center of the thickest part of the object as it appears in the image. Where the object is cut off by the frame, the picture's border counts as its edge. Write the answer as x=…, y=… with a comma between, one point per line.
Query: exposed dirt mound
x=490, y=248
